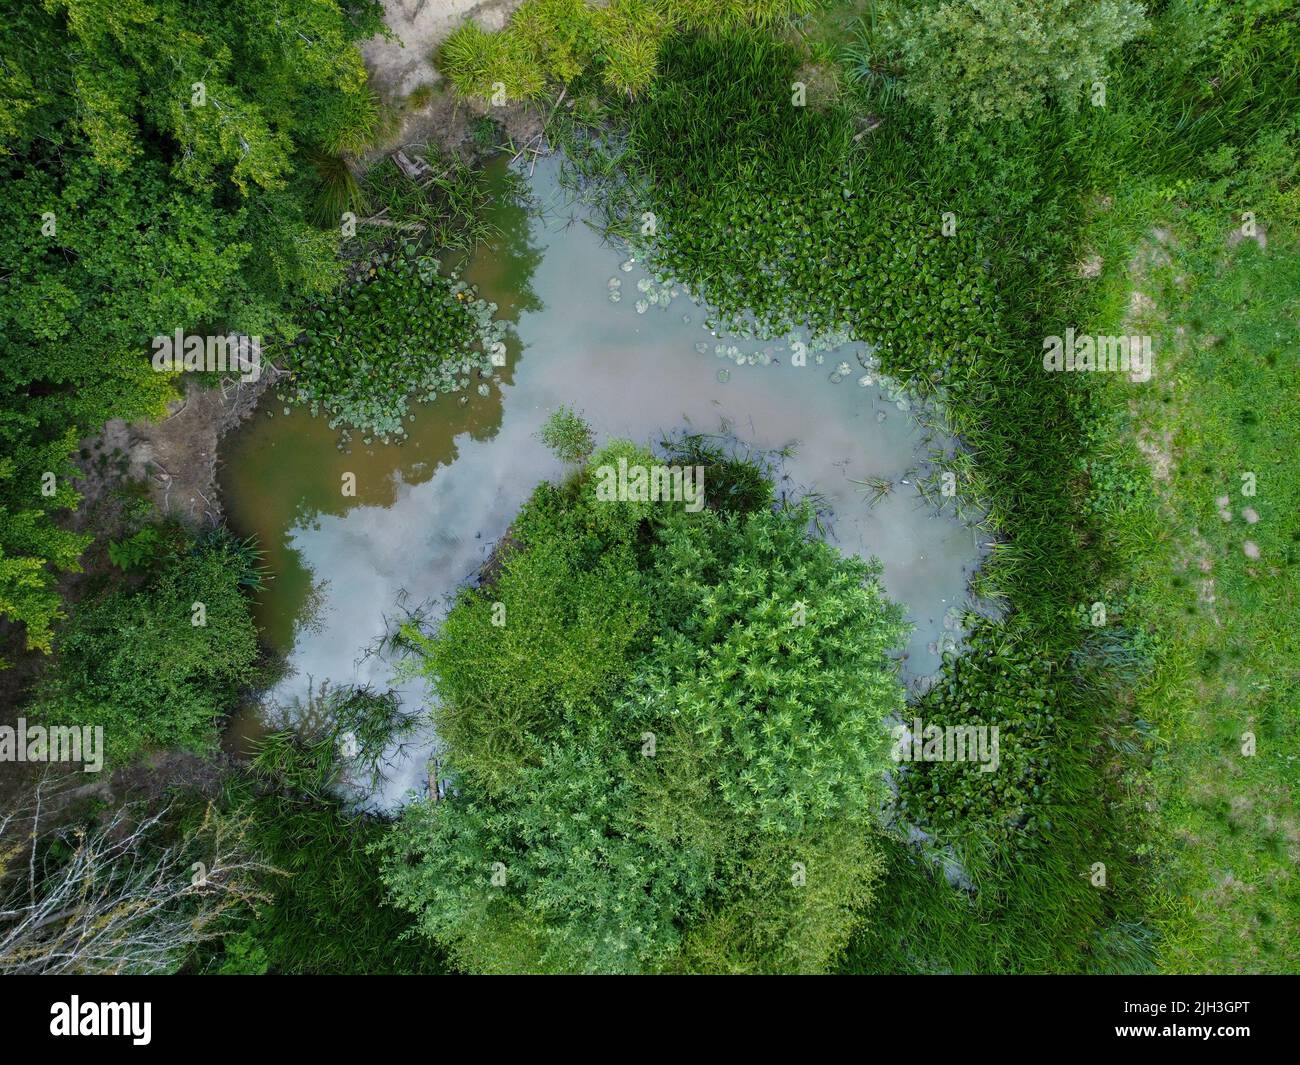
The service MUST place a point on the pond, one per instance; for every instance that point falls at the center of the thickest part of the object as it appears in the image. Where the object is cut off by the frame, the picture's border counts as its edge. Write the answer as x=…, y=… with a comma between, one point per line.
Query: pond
x=592, y=331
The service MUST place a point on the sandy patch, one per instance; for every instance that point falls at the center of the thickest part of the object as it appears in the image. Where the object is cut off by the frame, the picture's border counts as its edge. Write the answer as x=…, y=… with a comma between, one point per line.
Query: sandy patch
x=1236, y=236
x=404, y=61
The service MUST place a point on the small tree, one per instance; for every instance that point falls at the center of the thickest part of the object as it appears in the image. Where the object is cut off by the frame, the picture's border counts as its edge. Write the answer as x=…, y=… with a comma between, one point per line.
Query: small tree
x=568, y=435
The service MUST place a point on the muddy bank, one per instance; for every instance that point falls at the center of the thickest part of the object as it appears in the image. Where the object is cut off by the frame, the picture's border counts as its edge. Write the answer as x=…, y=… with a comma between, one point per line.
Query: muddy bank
x=175, y=457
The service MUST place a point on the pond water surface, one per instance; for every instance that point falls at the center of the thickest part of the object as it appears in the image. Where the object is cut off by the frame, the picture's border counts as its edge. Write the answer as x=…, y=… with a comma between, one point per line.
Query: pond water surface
x=428, y=512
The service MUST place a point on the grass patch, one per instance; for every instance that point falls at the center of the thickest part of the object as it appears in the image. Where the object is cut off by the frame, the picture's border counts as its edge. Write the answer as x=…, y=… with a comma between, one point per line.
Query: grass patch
x=1221, y=592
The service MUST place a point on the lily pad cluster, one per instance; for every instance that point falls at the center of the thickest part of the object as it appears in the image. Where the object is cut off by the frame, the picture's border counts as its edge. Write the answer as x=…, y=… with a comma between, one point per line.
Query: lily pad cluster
x=400, y=330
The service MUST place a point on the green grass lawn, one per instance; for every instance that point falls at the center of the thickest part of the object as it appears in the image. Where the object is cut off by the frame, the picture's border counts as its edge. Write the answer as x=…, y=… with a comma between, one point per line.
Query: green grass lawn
x=1220, y=588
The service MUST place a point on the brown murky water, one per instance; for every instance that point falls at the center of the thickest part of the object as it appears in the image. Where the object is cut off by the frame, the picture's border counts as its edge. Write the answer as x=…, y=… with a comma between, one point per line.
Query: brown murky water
x=427, y=512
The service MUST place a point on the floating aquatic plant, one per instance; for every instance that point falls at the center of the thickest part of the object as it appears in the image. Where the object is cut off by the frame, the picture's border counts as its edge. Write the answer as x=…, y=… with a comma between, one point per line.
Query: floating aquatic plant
x=400, y=329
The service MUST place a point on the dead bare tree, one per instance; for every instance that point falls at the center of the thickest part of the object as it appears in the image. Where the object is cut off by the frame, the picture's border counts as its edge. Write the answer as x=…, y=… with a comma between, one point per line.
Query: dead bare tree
x=125, y=893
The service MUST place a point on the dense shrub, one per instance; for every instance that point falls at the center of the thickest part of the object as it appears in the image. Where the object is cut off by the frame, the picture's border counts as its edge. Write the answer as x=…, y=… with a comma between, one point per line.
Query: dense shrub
x=581, y=885
x=131, y=659
x=780, y=696
x=1001, y=59
x=132, y=211
x=791, y=904
x=676, y=729
x=543, y=645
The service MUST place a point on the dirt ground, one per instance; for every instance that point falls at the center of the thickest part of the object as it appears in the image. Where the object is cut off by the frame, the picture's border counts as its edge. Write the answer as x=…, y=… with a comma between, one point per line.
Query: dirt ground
x=176, y=457
x=404, y=61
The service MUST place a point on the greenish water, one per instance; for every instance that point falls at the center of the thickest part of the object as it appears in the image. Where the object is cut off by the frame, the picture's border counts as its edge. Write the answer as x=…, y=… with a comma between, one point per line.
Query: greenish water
x=428, y=512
